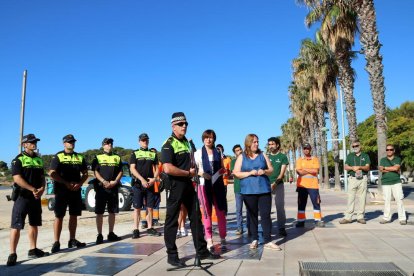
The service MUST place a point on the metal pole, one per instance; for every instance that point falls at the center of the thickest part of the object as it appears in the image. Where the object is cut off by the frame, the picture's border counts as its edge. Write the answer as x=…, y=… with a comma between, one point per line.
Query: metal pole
x=22, y=110
x=343, y=140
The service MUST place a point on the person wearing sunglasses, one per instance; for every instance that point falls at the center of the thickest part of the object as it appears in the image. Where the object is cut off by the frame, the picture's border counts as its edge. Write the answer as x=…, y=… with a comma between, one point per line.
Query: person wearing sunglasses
x=69, y=171
x=357, y=164
x=177, y=164
x=144, y=168
x=391, y=185
x=307, y=168
x=28, y=174
x=107, y=168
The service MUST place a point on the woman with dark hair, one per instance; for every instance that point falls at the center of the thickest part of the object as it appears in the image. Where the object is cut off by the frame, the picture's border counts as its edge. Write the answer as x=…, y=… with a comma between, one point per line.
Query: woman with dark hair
x=252, y=168
x=211, y=189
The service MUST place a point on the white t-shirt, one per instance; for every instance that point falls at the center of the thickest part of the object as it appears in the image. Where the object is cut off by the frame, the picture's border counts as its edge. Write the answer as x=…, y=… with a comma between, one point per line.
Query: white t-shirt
x=199, y=162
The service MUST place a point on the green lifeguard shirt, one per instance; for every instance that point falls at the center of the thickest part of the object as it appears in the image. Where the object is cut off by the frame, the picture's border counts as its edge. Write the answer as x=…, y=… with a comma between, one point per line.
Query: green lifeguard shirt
x=390, y=178
x=236, y=181
x=354, y=160
x=277, y=161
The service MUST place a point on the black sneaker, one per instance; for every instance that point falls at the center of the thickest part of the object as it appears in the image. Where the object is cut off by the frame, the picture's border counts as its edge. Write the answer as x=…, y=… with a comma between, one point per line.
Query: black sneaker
x=282, y=232
x=55, y=247
x=12, y=259
x=300, y=224
x=75, y=243
x=135, y=234
x=175, y=261
x=99, y=239
x=153, y=232
x=208, y=255
x=113, y=237
x=36, y=253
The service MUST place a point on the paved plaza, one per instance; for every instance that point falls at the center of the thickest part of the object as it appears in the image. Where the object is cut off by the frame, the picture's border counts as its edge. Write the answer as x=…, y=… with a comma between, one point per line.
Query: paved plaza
x=354, y=242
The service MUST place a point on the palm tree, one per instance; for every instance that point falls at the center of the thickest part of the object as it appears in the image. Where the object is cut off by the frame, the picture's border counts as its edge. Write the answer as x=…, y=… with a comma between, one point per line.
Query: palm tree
x=291, y=139
x=371, y=46
x=325, y=72
x=338, y=29
x=311, y=73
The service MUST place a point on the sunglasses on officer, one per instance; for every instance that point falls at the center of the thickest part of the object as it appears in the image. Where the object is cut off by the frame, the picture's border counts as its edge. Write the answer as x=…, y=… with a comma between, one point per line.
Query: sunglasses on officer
x=181, y=124
x=389, y=149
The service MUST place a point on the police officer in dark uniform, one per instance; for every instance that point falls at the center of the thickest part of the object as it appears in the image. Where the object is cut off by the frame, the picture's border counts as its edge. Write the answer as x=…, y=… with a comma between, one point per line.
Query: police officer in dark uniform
x=28, y=174
x=69, y=171
x=143, y=166
x=176, y=159
x=107, y=168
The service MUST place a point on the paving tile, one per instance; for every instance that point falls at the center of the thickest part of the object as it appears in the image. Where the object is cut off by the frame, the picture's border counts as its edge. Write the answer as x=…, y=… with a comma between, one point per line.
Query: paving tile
x=97, y=265
x=132, y=248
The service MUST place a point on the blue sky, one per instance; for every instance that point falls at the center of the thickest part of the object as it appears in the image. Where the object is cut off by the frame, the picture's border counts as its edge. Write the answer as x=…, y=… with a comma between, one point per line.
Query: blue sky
x=119, y=68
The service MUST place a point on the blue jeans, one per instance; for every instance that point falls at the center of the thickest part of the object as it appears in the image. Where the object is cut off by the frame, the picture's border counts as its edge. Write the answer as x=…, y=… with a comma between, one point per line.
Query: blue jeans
x=239, y=212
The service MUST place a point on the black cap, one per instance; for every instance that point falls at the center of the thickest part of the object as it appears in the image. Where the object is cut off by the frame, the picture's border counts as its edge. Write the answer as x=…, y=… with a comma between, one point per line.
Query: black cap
x=68, y=138
x=29, y=138
x=307, y=146
x=107, y=141
x=143, y=136
x=178, y=116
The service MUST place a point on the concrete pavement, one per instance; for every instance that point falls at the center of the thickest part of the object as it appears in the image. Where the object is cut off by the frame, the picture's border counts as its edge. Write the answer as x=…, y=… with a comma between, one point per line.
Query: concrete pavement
x=354, y=242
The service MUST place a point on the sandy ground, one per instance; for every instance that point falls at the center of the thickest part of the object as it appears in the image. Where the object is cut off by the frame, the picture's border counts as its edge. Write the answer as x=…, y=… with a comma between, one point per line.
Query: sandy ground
x=87, y=218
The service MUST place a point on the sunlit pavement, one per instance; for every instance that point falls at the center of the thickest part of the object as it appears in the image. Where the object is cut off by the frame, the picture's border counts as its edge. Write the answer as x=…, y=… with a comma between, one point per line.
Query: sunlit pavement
x=354, y=242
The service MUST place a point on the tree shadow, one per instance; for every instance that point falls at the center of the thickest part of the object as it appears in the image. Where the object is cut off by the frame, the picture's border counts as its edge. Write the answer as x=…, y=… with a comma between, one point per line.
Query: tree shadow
x=373, y=215
x=22, y=268
x=332, y=217
x=407, y=190
x=292, y=232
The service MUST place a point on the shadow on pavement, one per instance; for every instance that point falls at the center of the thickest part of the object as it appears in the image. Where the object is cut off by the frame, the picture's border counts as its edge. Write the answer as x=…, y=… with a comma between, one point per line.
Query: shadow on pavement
x=30, y=269
x=332, y=217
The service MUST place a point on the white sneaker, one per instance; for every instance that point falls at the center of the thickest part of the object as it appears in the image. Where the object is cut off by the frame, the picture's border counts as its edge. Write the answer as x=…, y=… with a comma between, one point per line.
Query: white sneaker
x=254, y=244
x=210, y=244
x=184, y=232
x=272, y=246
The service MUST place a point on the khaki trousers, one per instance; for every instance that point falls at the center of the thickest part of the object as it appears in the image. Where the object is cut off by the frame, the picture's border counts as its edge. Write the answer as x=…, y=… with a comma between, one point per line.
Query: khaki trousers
x=395, y=191
x=357, y=189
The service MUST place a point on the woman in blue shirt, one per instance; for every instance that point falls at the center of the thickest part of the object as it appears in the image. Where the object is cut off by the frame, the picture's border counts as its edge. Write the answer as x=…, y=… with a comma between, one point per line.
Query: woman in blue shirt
x=253, y=168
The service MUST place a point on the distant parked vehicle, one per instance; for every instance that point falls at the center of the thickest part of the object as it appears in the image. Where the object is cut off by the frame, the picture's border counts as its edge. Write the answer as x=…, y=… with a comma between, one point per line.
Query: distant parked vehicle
x=124, y=192
x=373, y=177
x=88, y=192
x=341, y=180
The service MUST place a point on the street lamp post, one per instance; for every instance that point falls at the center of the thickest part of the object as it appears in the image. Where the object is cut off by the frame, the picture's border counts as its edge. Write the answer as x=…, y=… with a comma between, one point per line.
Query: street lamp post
x=22, y=109
x=343, y=140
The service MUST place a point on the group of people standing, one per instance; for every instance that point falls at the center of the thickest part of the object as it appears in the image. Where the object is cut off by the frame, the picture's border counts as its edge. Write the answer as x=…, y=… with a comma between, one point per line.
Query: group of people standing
x=196, y=184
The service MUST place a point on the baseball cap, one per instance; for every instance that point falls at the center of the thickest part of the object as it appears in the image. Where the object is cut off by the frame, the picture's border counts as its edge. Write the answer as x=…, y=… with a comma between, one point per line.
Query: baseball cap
x=68, y=138
x=107, y=141
x=307, y=146
x=29, y=138
x=143, y=136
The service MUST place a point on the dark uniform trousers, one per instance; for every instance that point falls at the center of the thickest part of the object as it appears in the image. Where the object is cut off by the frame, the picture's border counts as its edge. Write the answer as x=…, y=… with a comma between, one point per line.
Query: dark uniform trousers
x=183, y=192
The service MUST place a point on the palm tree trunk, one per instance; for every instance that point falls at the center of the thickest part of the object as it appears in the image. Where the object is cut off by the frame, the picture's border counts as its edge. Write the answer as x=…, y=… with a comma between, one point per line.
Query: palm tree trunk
x=289, y=172
x=320, y=111
x=331, y=105
x=294, y=164
x=370, y=42
x=346, y=81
